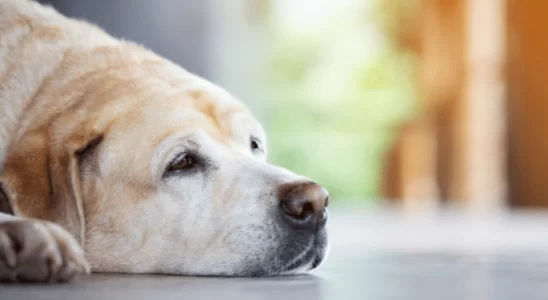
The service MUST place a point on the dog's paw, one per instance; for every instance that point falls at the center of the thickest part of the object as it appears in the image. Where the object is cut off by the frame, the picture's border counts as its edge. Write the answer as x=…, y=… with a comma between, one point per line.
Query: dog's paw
x=38, y=251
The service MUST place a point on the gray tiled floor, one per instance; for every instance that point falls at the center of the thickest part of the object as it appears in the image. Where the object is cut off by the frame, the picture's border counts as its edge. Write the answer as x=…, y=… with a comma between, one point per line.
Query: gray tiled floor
x=375, y=255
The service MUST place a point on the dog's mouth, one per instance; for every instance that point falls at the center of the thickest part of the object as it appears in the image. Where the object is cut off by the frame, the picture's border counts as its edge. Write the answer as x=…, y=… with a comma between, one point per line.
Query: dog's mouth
x=308, y=259
x=295, y=257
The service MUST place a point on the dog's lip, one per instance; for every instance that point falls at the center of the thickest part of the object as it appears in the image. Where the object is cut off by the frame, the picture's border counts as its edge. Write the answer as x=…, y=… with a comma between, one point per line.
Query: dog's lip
x=302, y=258
x=314, y=255
x=317, y=261
x=311, y=257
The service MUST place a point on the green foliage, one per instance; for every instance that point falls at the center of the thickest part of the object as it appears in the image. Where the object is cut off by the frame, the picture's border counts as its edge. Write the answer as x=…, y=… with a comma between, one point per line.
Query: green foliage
x=336, y=94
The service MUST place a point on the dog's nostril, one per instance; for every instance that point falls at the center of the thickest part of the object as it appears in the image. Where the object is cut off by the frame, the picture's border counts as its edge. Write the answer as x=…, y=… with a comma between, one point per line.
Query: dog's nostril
x=291, y=209
x=299, y=212
x=297, y=209
x=307, y=210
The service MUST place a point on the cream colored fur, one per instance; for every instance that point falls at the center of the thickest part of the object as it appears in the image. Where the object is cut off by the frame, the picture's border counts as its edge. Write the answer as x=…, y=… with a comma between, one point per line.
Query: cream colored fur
x=88, y=125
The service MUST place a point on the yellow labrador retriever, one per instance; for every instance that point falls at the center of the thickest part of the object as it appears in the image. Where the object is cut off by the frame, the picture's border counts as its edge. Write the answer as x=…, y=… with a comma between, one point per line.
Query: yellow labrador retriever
x=116, y=160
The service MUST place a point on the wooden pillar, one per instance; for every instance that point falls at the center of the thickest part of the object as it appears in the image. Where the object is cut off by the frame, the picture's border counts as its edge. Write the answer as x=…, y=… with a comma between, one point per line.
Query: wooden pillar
x=460, y=45
x=435, y=33
x=528, y=102
x=484, y=99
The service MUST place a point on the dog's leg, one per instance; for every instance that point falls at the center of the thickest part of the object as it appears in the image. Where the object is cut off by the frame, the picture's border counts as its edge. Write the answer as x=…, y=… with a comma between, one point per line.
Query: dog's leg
x=33, y=250
x=38, y=251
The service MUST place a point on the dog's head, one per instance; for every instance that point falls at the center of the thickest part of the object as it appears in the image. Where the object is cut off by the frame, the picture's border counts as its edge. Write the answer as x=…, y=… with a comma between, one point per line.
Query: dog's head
x=160, y=171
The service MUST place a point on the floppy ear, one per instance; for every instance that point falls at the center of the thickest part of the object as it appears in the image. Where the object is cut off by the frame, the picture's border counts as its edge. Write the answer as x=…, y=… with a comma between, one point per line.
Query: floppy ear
x=41, y=179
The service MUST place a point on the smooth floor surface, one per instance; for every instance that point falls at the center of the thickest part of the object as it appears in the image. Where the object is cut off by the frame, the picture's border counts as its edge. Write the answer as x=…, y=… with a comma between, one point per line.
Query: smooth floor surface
x=375, y=255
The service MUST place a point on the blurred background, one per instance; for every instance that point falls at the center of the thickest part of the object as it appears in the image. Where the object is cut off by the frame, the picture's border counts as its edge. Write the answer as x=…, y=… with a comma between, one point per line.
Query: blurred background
x=414, y=104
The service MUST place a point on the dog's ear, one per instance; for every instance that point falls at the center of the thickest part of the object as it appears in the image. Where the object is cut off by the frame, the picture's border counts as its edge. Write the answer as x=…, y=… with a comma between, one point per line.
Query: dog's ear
x=42, y=179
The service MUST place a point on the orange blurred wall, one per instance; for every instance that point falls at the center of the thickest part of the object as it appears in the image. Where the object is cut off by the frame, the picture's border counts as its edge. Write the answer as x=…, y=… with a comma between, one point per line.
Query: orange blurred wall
x=528, y=102
x=480, y=141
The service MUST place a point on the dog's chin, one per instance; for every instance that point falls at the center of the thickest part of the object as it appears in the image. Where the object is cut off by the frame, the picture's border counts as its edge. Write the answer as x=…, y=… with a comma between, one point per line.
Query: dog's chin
x=313, y=260
x=287, y=262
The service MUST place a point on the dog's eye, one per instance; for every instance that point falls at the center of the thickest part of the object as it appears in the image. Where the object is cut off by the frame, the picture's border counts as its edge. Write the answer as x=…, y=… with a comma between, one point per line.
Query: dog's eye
x=254, y=145
x=182, y=162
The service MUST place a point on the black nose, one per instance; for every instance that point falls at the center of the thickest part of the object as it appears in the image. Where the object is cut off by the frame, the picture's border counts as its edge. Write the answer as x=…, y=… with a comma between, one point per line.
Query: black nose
x=303, y=204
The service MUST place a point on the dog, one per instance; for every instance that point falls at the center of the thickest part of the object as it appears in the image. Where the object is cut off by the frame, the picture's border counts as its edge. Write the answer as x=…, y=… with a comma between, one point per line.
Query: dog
x=117, y=160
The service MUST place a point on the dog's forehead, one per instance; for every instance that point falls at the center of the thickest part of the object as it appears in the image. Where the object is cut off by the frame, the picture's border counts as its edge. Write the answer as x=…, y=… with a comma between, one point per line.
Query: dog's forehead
x=218, y=114
x=222, y=117
x=146, y=124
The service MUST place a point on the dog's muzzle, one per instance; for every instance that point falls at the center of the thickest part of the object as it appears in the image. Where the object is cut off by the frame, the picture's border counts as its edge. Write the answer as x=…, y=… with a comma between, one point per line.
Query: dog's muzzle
x=303, y=215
